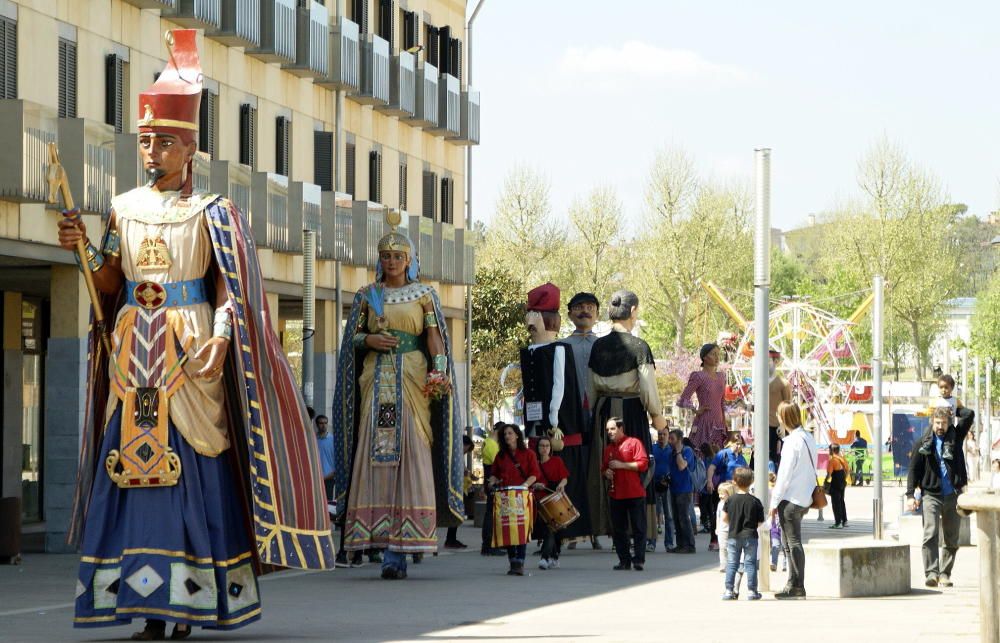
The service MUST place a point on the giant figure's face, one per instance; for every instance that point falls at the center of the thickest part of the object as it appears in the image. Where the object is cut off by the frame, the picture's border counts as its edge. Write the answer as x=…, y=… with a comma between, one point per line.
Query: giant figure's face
x=165, y=155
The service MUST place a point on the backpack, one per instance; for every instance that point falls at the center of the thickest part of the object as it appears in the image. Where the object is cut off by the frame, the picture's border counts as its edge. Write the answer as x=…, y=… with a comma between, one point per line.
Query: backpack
x=699, y=475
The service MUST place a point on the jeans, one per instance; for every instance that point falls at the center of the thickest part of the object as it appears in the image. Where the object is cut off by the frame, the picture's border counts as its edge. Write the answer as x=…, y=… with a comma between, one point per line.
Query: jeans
x=515, y=553
x=747, y=546
x=940, y=513
x=624, y=513
x=664, y=507
x=552, y=545
x=682, y=524
x=790, y=515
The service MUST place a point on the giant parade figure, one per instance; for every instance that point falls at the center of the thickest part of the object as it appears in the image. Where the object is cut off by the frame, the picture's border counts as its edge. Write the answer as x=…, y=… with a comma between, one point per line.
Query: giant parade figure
x=552, y=398
x=197, y=461
x=397, y=424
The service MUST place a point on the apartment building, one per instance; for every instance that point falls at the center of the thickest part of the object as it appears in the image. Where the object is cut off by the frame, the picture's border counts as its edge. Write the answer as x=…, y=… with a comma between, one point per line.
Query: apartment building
x=315, y=117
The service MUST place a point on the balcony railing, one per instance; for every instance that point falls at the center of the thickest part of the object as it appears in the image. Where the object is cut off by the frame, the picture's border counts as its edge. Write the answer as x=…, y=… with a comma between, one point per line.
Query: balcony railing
x=444, y=251
x=202, y=167
x=469, y=122
x=402, y=86
x=368, y=227
x=86, y=151
x=232, y=180
x=449, y=107
x=27, y=130
x=344, y=72
x=153, y=4
x=312, y=49
x=422, y=238
x=240, y=24
x=374, y=72
x=465, y=256
x=196, y=14
x=304, y=201
x=425, y=112
x=336, y=222
x=277, y=32
x=269, y=210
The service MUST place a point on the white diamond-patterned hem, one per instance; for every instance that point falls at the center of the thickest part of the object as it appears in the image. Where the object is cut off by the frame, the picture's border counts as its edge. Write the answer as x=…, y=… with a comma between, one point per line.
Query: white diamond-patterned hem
x=80, y=588
x=145, y=581
x=192, y=587
x=106, y=584
x=241, y=588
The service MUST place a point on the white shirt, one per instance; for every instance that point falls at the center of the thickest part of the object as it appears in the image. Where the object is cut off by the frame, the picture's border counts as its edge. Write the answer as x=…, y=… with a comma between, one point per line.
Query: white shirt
x=797, y=472
x=558, y=381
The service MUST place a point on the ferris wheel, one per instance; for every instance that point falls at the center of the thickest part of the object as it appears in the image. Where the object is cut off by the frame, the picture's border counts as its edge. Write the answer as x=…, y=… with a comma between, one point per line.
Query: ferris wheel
x=819, y=359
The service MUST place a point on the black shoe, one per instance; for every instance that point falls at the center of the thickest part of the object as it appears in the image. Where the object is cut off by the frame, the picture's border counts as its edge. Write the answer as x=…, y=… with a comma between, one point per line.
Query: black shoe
x=454, y=544
x=179, y=634
x=791, y=593
x=931, y=581
x=516, y=569
x=637, y=566
x=341, y=559
x=418, y=558
x=622, y=566
x=686, y=550
x=155, y=630
x=392, y=573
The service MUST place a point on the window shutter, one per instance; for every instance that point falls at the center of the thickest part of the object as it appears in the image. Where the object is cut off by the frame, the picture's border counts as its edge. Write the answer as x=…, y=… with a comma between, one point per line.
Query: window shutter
x=208, y=124
x=349, y=158
x=431, y=48
x=115, y=92
x=430, y=194
x=456, y=58
x=411, y=33
x=386, y=18
x=444, y=49
x=282, y=146
x=447, y=200
x=248, y=135
x=8, y=58
x=402, y=186
x=67, y=78
x=360, y=10
x=375, y=176
x=323, y=160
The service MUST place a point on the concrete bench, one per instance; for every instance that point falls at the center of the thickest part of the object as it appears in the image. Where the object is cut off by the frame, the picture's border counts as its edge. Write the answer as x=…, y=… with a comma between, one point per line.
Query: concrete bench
x=856, y=568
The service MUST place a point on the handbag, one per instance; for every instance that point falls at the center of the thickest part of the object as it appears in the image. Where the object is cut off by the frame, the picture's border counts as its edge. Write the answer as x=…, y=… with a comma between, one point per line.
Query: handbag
x=818, y=495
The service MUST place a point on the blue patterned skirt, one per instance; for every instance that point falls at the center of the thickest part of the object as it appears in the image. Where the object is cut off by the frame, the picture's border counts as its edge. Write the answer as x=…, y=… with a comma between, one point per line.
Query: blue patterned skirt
x=179, y=553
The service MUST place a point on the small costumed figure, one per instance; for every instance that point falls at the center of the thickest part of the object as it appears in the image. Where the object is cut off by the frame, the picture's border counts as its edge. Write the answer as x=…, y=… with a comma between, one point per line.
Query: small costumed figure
x=192, y=471
x=397, y=425
x=552, y=397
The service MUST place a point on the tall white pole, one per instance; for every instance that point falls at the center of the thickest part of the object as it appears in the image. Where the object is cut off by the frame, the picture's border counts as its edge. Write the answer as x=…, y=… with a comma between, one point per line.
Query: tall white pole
x=761, y=293
x=988, y=416
x=877, y=340
x=978, y=424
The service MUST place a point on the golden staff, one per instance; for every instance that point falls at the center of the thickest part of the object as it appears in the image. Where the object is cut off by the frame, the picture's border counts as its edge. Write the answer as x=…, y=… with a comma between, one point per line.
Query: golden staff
x=58, y=181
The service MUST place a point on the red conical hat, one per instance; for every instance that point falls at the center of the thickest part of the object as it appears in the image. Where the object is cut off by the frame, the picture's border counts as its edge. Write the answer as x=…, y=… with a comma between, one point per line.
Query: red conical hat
x=172, y=103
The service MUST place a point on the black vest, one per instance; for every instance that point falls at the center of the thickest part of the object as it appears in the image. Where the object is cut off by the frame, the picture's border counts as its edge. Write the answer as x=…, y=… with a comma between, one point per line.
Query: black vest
x=537, y=378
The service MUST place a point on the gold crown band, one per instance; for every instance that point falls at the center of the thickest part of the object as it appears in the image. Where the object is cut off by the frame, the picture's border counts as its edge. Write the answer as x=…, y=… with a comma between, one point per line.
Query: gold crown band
x=167, y=122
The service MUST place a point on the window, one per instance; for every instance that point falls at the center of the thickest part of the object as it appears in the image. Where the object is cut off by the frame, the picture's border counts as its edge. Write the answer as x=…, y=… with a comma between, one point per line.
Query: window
x=447, y=200
x=455, y=65
x=411, y=30
x=386, y=20
x=283, y=146
x=248, y=135
x=323, y=160
x=349, y=169
x=430, y=194
x=402, y=185
x=116, y=92
x=8, y=58
x=359, y=14
x=208, y=124
x=67, y=78
x=375, y=176
x=444, y=49
x=431, y=48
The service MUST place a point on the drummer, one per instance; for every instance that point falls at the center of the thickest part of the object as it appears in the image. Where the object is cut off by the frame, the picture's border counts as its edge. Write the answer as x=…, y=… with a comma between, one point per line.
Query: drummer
x=554, y=477
x=514, y=466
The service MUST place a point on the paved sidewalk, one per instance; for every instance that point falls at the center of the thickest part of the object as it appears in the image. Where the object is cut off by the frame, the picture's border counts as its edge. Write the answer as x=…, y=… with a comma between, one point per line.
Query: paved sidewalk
x=462, y=596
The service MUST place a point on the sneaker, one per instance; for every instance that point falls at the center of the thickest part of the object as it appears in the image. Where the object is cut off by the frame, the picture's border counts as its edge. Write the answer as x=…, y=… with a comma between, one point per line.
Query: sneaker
x=650, y=546
x=637, y=566
x=834, y=527
x=945, y=581
x=754, y=596
x=931, y=581
x=455, y=544
x=774, y=568
x=341, y=560
x=792, y=593
x=543, y=563
x=553, y=563
x=572, y=545
x=622, y=567
x=357, y=560
x=728, y=595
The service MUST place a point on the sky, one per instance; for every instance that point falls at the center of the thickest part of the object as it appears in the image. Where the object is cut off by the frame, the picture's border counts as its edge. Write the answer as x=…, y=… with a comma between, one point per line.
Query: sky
x=586, y=92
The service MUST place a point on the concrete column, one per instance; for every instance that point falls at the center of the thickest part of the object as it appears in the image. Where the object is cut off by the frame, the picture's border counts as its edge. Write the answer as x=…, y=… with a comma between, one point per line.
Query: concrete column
x=325, y=353
x=65, y=403
x=10, y=485
x=272, y=305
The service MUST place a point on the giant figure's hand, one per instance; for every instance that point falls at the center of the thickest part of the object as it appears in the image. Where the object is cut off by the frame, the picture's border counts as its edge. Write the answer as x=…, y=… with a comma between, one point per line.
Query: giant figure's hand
x=214, y=355
x=70, y=232
x=381, y=342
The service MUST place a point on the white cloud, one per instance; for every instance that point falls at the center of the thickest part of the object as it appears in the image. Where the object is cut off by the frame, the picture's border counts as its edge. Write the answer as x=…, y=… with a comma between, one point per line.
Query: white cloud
x=636, y=59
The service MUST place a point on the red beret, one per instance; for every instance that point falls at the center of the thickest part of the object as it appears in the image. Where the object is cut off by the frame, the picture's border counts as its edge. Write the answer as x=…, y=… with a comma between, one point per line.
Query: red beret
x=544, y=298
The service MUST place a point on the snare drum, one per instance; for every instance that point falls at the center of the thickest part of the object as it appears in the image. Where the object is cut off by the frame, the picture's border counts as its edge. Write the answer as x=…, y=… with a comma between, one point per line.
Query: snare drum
x=557, y=510
x=512, y=516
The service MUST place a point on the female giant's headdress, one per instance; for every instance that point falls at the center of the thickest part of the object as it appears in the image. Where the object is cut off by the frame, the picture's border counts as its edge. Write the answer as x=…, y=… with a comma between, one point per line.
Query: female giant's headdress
x=397, y=242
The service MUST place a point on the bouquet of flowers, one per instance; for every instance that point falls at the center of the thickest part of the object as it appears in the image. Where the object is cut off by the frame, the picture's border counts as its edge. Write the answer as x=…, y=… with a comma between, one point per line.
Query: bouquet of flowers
x=437, y=385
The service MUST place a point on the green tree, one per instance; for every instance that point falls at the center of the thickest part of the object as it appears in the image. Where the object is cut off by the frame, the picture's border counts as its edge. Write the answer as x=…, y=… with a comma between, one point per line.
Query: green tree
x=497, y=328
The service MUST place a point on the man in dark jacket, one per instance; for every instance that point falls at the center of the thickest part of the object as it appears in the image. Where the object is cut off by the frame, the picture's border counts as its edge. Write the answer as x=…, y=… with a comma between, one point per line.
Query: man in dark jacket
x=937, y=468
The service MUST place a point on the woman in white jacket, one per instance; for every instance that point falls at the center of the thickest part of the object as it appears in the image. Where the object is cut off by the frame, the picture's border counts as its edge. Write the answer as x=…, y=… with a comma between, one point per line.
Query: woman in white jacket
x=792, y=494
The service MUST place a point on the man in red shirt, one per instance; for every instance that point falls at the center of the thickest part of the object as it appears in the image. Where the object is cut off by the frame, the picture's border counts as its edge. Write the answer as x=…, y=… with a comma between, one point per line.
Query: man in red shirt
x=624, y=461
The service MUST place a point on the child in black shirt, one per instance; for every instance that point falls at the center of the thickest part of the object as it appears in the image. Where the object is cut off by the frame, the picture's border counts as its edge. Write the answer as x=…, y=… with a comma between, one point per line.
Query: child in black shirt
x=744, y=514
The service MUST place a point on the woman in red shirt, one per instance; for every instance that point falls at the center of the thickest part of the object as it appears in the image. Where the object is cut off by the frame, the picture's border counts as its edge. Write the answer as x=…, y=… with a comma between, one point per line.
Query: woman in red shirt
x=554, y=477
x=514, y=466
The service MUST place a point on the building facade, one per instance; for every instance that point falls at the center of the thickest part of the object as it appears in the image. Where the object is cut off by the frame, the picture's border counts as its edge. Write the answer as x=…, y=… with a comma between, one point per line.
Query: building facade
x=316, y=116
